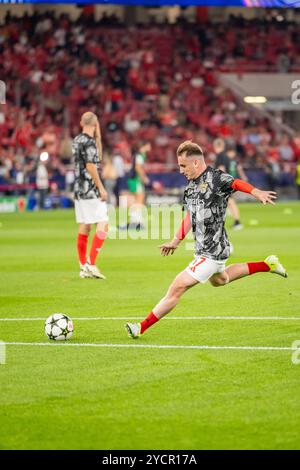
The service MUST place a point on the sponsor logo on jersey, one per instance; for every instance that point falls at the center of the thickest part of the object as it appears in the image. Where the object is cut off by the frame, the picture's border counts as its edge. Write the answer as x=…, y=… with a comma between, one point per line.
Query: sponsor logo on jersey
x=203, y=187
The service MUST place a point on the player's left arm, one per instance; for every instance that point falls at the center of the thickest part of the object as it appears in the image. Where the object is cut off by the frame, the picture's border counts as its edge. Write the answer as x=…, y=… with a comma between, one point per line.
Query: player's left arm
x=266, y=197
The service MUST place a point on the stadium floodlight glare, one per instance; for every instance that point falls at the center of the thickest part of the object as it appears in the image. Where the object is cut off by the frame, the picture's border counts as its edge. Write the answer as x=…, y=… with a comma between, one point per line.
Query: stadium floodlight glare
x=255, y=99
x=44, y=156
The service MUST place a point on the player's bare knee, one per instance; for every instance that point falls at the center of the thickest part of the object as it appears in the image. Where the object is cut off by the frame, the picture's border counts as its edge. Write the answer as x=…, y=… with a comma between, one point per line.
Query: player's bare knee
x=102, y=230
x=85, y=229
x=173, y=292
x=102, y=227
x=179, y=291
x=219, y=281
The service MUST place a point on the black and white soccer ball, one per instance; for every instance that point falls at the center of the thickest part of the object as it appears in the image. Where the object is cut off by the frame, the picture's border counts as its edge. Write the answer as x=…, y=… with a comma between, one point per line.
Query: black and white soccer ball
x=59, y=327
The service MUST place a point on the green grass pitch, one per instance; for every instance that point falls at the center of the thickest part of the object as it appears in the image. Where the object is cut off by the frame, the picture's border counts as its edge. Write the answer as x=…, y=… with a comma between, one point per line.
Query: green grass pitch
x=63, y=397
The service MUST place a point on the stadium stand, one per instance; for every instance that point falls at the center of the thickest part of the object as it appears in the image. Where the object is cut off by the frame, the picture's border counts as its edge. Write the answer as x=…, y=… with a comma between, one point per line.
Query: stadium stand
x=154, y=83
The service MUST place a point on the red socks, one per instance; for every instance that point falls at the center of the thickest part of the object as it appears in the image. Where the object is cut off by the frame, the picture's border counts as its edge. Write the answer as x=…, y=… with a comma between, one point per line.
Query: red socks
x=82, y=241
x=149, y=321
x=258, y=267
x=97, y=243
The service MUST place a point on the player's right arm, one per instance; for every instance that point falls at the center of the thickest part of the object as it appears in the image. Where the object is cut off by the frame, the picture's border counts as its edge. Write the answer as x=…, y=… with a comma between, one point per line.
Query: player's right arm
x=228, y=184
x=266, y=197
x=170, y=247
x=93, y=171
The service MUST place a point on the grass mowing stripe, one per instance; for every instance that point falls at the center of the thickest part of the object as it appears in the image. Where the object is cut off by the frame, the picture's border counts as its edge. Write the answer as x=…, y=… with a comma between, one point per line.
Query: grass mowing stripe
x=154, y=346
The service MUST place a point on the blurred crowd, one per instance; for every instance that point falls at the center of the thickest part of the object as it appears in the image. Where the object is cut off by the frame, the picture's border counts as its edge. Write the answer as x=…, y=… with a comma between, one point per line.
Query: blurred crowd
x=151, y=82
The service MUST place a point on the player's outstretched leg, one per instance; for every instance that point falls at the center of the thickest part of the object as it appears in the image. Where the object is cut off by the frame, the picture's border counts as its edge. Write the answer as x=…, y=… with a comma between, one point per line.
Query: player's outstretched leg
x=179, y=286
x=270, y=264
x=237, y=271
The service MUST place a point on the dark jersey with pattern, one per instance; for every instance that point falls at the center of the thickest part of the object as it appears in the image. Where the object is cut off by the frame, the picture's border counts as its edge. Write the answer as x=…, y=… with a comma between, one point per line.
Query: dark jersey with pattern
x=85, y=151
x=205, y=199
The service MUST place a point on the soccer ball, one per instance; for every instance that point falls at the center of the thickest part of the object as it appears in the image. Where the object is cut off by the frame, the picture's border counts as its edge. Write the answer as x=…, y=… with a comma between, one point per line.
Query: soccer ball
x=59, y=327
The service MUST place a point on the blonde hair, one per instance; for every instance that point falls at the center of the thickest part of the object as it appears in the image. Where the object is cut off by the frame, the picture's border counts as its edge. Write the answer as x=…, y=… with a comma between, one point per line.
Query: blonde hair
x=189, y=148
x=88, y=119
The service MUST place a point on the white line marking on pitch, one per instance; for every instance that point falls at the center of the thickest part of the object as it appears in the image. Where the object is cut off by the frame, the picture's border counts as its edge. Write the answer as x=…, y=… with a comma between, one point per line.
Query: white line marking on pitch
x=154, y=346
x=262, y=318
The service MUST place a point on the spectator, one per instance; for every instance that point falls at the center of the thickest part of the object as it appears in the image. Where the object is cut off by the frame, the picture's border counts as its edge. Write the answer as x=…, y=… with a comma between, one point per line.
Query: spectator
x=157, y=84
x=42, y=179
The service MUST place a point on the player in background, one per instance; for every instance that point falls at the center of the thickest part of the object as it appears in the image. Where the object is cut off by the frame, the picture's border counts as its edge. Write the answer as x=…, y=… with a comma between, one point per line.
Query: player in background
x=136, y=186
x=226, y=161
x=90, y=194
x=205, y=200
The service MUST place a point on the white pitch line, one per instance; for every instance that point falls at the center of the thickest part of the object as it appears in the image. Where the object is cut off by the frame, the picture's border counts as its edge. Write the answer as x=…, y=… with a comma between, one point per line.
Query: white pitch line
x=260, y=318
x=154, y=346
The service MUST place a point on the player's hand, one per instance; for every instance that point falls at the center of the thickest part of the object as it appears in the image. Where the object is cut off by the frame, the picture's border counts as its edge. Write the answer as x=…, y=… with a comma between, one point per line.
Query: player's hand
x=103, y=195
x=266, y=197
x=169, y=247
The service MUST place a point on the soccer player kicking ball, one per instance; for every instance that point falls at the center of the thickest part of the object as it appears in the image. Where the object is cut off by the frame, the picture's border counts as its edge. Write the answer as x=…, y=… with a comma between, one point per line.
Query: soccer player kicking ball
x=205, y=200
x=90, y=194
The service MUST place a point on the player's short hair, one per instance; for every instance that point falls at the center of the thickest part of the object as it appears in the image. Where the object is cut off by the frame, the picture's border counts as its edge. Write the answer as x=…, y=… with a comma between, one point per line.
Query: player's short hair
x=88, y=118
x=189, y=148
